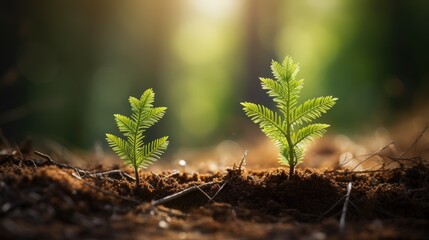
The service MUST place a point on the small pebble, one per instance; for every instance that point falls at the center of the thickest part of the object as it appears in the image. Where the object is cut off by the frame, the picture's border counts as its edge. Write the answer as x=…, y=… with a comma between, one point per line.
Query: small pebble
x=182, y=163
x=163, y=224
x=6, y=207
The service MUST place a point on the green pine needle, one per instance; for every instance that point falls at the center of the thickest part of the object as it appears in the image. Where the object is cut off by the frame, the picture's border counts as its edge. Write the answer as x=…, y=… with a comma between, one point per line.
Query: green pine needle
x=132, y=149
x=287, y=127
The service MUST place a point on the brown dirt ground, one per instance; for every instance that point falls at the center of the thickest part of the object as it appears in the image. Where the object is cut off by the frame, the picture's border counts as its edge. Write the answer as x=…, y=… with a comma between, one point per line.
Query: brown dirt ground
x=43, y=200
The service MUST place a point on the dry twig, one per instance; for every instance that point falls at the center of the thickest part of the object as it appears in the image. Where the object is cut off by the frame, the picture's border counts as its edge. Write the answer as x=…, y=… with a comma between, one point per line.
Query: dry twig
x=211, y=199
x=180, y=194
x=344, y=211
x=382, y=167
x=415, y=141
x=218, y=191
x=84, y=173
x=243, y=161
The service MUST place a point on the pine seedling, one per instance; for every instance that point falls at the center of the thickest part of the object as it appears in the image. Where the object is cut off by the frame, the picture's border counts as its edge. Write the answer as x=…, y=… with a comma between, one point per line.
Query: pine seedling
x=290, y=128
x=132, y=149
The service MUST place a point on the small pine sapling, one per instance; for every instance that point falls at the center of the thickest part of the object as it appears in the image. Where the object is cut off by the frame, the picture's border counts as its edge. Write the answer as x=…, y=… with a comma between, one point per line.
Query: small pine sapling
x=132, y=149
x=287, y=129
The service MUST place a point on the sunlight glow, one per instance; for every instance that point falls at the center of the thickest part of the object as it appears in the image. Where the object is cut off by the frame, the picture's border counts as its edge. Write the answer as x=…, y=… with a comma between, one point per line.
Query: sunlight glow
x=217, y=9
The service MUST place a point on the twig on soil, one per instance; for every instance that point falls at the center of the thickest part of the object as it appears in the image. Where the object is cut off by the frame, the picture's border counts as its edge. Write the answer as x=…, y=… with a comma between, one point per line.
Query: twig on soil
x=111, y=172
x=104, y=191
x=415, y=141
x=80, y=173
x=180, y=194
x=377, y=153
x=204, y=193
x=333, y=206
x=45, y=156
x=369, y=156
x=84, y=173
x=383, y=165
x=211, y=199
x=398, y=160
x=218, y=191
x=337, y=203
x=354, y=205
x=243, y=161
x=234, y=169
x=75, y=169
x=34, y=163
x=343, y=214
x=239, y=169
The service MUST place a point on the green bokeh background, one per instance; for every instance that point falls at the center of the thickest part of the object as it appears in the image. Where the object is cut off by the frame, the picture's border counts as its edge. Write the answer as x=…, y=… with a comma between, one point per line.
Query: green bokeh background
x=67, y=66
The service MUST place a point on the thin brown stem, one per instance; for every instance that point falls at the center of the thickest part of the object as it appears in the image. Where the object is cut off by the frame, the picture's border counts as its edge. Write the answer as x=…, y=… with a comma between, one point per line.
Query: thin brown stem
x=415, y=141
x=137, y=176
x=180, y=194
x=243, y=161
x=291, y=170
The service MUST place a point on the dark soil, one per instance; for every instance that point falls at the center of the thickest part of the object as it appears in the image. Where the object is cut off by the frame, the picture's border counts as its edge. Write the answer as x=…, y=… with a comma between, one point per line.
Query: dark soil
x=40, y=199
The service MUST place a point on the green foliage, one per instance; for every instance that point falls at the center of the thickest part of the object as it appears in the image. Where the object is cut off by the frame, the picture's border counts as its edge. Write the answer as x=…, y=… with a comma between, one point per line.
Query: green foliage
x=132, y=149
x=287, y=128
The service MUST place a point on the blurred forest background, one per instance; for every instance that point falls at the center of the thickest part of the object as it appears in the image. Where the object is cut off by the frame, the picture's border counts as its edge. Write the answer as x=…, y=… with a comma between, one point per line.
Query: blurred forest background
x=67, y=66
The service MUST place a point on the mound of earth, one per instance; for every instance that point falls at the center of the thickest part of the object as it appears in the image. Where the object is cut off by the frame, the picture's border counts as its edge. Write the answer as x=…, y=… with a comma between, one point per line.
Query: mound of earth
x=44, y=199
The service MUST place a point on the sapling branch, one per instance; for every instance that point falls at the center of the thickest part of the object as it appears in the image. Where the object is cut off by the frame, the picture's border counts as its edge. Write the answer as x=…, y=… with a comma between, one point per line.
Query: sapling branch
x=291, y=129
x=132, y=149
